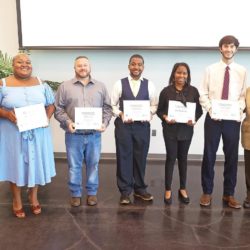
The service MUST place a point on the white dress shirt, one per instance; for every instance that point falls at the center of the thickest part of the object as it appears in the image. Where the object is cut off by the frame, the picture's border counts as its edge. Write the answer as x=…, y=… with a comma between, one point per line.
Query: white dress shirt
x=212, y=85
x=135, y=86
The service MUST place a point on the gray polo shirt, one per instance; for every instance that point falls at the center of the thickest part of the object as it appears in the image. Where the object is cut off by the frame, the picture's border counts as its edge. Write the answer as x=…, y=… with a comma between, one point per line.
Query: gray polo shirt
x=73, y=93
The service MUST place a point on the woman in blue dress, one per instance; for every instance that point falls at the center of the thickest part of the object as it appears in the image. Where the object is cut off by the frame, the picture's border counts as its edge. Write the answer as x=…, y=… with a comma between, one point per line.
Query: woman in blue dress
x=26, y=157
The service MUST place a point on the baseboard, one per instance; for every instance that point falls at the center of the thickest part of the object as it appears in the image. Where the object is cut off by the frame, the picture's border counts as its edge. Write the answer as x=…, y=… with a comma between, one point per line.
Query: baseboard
x=192, y=159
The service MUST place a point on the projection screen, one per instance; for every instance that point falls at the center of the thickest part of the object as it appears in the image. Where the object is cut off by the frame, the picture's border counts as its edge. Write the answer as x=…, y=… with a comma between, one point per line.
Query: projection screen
x=128, y=24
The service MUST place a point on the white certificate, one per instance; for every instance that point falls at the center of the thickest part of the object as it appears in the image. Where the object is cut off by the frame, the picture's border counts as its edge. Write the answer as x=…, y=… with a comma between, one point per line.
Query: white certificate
x=88, y=118
x=31, y=117
x=225, y=110
x=180, y=113
x=136, y=110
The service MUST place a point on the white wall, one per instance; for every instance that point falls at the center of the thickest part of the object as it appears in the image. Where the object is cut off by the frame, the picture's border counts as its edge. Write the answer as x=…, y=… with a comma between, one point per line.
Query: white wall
x=8, y=27
x=109, y=66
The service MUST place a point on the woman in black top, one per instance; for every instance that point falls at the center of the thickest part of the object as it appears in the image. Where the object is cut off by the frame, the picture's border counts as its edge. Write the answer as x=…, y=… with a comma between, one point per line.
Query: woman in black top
x=177, y=136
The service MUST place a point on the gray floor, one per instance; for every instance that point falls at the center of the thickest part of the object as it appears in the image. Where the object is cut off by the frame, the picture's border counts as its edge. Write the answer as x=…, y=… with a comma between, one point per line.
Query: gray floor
x=141, y=225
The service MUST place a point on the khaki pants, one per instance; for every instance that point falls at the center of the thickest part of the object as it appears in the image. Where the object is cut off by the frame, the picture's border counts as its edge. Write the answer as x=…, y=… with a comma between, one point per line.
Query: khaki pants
x=247, y=171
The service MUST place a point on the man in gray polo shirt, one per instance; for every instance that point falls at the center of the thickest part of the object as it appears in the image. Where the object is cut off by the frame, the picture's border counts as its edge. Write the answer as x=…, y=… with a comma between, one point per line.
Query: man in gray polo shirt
x=82, y=145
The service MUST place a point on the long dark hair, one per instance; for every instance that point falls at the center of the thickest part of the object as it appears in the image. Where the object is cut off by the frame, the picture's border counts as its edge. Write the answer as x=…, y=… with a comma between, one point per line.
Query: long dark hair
x=171, y=78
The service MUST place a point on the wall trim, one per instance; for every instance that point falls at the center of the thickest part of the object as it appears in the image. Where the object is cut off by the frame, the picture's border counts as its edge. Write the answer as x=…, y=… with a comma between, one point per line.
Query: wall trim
x=192, y=159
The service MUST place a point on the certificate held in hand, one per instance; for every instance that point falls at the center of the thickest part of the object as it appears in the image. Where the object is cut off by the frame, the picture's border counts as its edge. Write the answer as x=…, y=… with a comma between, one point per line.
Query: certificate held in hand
x=136, y=110
x=31, y=117
x=225, y=110
x=88, y=118
x=180, y=113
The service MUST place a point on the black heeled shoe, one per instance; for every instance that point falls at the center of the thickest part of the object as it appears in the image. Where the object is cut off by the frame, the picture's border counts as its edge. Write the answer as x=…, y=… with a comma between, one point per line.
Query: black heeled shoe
x=182, y=198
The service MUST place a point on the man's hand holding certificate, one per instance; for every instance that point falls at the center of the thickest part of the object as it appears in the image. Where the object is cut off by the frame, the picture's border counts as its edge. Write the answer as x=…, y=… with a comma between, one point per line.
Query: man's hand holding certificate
x=180, y=113
x=88, y=118
x=31, y=117
x=225, y=110
x=136, y=110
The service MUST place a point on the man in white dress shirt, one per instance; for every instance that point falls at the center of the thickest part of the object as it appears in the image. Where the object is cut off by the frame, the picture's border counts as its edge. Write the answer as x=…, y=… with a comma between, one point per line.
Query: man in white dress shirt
x=222, y=80
x=132, y=137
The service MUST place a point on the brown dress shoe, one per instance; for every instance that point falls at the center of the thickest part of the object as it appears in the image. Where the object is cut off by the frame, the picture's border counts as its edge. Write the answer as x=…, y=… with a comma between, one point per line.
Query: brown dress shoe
x=230, y=201
x=91, y=200
x=205, y=200
x=75, y=201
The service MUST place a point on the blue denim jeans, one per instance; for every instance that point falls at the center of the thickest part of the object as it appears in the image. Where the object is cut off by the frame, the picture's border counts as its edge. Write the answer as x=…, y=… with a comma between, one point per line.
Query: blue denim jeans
x=83, y=148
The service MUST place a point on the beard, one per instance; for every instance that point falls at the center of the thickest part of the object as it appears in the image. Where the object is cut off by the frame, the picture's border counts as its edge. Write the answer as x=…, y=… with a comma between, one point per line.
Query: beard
x=135, y=76
x=228, y=57
x=83, y=74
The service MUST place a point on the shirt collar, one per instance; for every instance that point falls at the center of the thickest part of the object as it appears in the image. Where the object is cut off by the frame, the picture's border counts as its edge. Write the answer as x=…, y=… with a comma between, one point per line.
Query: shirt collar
x=224, y=65
x=130, y=78
x=75, y=80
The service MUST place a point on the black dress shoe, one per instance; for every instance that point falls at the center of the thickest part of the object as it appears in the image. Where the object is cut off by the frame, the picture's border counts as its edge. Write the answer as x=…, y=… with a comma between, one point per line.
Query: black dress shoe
x=168, y=201
x=182, y=198
x=246, y=204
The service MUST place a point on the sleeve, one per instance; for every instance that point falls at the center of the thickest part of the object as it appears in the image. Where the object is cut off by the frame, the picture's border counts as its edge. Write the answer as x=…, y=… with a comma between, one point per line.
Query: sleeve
x=204, y=92
x=153, y=97
x=60, y=104
x=198, y=111
x=248, y=102
x=107, y=110
x=49, y=95
x=1, y=98
x=115, y=96
x=163, y=104
x=1, y=95
x=242, y=97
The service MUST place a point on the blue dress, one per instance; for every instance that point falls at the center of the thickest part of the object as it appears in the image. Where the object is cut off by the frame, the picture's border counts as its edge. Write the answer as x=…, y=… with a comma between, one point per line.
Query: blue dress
x=26, y=158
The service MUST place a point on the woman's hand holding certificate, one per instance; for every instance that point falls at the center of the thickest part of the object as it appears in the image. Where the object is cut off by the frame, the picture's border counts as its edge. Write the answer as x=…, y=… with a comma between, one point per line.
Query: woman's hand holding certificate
x=180, y=113
x=31, y=117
